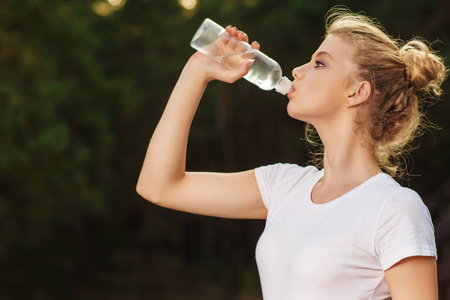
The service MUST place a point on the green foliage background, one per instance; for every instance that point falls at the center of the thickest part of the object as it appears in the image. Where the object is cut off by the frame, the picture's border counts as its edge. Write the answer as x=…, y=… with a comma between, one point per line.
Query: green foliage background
x=80, y=95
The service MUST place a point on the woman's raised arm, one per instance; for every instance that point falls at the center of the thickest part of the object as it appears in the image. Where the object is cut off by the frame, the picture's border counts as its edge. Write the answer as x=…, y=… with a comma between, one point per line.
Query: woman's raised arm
x=163, y=179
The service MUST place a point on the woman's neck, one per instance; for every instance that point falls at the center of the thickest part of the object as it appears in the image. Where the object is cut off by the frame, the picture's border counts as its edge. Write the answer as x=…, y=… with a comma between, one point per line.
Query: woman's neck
x=346, y=158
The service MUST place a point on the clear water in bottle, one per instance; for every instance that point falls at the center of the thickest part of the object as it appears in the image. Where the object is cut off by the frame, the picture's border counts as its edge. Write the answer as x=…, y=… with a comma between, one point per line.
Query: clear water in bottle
x=211, y=39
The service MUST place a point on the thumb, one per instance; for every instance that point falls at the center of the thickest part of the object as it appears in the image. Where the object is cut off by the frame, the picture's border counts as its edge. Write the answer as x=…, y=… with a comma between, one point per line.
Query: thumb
x=239, y=72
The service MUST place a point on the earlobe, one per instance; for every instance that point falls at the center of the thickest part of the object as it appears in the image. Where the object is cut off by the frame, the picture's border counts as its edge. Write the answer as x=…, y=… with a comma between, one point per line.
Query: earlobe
x=359, y=93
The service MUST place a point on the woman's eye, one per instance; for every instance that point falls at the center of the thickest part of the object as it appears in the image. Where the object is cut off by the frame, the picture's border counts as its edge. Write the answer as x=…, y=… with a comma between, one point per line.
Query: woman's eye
x=319, y=64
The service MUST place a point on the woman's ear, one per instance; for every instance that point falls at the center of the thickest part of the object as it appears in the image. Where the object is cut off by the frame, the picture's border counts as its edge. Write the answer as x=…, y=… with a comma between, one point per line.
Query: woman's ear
x=359, y=92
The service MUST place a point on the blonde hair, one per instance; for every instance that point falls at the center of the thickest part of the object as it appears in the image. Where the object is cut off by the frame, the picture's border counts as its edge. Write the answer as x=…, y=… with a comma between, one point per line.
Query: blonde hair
x=401, y=75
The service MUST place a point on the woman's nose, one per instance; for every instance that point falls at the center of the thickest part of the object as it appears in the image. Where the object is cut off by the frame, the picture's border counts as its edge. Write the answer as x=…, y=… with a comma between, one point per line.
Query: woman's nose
x=297, y=72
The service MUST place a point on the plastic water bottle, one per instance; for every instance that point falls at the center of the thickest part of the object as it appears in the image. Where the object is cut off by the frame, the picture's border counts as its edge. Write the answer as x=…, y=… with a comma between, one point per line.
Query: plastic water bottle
x=264, y=71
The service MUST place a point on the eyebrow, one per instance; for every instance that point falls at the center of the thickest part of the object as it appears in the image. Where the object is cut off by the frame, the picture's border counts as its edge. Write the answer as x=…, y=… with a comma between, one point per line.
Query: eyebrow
x=324, y=53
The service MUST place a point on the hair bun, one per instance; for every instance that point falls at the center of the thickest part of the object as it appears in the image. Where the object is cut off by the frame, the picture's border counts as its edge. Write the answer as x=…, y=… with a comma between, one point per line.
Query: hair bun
x=424, y=70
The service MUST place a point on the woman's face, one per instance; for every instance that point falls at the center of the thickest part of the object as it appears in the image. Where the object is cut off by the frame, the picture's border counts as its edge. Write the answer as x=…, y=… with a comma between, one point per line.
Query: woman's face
x=321, y=86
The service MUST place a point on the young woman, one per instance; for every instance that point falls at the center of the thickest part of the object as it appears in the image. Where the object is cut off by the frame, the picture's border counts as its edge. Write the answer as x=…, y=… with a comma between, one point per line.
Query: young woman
x=347, y=230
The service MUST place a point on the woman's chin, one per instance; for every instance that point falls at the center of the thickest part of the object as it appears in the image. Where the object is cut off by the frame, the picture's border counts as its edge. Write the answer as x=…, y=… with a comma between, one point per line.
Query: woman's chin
x=296, y=113
x=293, y=112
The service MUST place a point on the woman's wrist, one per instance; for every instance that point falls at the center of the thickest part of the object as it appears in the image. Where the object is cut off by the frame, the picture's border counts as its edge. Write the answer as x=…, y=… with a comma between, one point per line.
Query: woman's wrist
x=196, y=68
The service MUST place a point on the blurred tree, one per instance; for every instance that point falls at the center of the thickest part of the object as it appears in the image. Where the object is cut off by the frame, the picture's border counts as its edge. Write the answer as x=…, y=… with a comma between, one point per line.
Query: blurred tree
x=60, y=110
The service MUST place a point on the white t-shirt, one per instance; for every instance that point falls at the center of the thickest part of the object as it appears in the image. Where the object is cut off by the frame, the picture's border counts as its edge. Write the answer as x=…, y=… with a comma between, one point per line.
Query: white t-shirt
x=340, y=249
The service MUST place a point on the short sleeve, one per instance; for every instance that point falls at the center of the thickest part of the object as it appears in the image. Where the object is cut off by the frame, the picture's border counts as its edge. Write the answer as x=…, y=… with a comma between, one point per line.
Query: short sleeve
x=405, y=229
x=276, y=180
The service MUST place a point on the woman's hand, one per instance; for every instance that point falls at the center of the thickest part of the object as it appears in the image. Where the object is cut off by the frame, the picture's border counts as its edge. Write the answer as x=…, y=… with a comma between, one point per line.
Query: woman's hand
x=208, y=69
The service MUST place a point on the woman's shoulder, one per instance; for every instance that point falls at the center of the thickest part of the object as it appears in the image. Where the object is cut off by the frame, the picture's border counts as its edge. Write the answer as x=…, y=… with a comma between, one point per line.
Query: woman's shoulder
x=404, y=199
x=284, y=174
x=399, y=193
x=276, y=181
x=286, y=170
x=404, y=228
x=289, y=168
x=402, y=202
x=389, y=196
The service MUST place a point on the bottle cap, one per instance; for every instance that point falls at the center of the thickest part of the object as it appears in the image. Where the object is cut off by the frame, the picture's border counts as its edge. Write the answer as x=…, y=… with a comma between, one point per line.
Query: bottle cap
x=284, y=85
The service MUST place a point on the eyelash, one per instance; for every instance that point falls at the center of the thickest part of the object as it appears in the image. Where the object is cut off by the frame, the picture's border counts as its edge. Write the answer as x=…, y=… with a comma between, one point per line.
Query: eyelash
x=319, y=64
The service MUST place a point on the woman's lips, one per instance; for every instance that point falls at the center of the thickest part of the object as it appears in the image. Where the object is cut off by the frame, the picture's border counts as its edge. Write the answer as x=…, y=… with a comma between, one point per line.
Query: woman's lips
x=291, y=92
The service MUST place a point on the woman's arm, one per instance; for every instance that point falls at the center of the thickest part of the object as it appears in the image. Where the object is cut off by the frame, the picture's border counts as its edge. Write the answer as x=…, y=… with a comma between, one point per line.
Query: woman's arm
x=163, y=179
x=413, y=278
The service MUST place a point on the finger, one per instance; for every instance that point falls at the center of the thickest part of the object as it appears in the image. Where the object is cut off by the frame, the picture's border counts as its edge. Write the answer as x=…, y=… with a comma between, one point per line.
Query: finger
x=228, y=29
x=231, y=30
x=233, y=44
x=232, y=75
x=232, y=33
x=255, y=45
x=242, y=36
x=225, y=38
